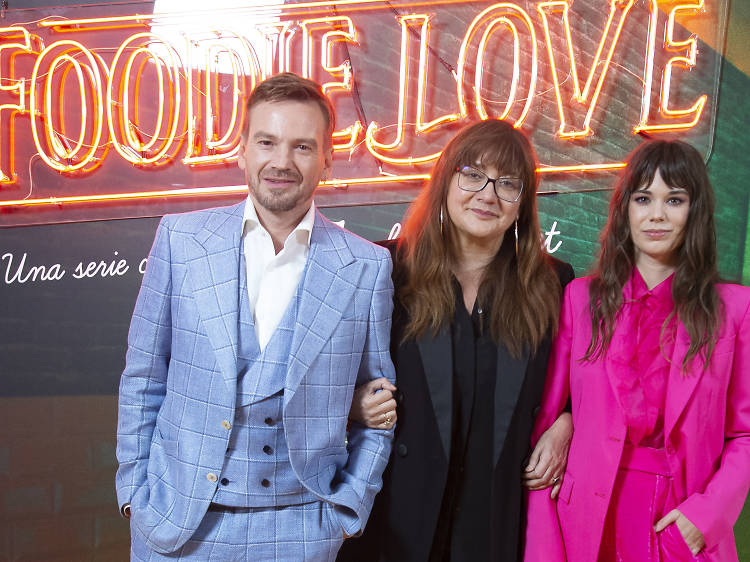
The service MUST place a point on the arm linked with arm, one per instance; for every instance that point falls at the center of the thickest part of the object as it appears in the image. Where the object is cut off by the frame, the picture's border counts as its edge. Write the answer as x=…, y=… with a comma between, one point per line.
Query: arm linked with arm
x=369, y=449
x=550, y=455
x=543, y=534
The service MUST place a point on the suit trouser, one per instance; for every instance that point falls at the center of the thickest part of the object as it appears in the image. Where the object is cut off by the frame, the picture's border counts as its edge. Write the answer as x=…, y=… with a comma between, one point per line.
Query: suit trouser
x=294, y=533
x=643, y=494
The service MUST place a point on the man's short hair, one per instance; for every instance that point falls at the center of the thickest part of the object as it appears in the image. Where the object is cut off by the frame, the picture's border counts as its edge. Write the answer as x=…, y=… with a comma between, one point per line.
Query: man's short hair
x=288, y=86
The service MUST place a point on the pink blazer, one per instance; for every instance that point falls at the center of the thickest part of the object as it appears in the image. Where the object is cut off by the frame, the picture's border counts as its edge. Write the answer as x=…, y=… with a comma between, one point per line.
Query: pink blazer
x=706, y=428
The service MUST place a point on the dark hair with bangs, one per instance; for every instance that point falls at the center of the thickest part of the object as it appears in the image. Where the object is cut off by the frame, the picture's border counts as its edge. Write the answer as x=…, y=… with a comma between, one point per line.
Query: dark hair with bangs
x=522, y=292
x=288, y=86
x=696, y=301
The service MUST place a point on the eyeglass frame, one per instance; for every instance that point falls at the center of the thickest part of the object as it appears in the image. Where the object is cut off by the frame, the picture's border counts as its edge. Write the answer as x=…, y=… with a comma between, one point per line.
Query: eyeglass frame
x=487, y=182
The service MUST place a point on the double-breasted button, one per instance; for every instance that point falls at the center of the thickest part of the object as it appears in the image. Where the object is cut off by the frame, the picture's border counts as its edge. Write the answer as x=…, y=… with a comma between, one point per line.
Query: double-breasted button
x=226, y=425
x=269, y=421
x=265, y=483
x=268, y=450
x=211, y=477
x=402, y=450
x=224, y=481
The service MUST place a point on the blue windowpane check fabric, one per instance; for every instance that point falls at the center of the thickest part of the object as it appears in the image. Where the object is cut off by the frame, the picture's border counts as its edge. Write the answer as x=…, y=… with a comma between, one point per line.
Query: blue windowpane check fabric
x=179, y=387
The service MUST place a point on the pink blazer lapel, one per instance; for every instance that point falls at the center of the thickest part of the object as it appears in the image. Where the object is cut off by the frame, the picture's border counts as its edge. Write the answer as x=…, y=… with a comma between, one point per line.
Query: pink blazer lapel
x=681, y=383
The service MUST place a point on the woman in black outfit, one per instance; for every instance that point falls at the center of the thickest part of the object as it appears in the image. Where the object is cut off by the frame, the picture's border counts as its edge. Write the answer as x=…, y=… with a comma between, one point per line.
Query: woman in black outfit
x=476, y=302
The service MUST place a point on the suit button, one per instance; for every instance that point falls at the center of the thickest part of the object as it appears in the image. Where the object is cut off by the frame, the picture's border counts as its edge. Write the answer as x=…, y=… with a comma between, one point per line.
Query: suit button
x=224, y=481
x=401, y=450
x=226, y=425
x=399, y=397
x=267, y=450
x=265, y=483
x=211, y=477
x=268, y=421
x=535, y=411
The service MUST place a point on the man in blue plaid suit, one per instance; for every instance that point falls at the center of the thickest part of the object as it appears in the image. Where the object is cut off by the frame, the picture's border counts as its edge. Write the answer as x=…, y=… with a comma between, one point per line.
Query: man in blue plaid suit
x=253, y=325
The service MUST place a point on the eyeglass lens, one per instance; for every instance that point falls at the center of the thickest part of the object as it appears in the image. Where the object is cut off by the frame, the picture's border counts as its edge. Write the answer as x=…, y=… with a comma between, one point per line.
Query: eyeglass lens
x=506, y=188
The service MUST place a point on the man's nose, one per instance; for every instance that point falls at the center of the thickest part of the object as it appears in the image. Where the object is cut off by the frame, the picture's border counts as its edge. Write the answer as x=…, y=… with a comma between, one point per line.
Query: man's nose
x=282, y=158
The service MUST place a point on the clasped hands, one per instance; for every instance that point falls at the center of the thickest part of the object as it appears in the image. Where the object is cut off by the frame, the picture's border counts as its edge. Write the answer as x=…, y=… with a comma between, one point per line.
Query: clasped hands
x=549, y=458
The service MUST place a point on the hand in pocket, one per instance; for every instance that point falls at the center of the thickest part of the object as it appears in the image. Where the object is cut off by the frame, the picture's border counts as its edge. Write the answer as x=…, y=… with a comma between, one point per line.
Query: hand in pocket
x=678, y=538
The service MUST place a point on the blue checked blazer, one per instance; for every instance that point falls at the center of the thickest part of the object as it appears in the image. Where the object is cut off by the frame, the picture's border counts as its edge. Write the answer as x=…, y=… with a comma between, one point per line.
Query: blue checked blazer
x=178, y=389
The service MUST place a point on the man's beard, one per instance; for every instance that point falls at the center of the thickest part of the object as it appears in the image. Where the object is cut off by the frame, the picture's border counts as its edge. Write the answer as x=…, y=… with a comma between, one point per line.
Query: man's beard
x=283, y=200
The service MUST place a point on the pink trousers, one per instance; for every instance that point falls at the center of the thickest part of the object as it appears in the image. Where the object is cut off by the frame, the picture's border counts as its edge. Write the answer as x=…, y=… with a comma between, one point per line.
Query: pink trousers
x=642, y=495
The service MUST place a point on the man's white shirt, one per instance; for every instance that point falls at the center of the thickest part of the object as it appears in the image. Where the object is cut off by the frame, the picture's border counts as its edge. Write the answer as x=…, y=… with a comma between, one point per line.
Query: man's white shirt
x=272, y=278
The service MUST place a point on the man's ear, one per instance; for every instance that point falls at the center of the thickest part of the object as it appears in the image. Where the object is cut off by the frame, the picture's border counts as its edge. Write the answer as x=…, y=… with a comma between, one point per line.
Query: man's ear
x=328, y=163
x=241, y=158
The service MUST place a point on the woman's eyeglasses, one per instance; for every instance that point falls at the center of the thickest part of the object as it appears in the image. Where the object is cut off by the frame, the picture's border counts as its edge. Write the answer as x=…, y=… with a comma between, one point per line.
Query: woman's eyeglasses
x=506, y=188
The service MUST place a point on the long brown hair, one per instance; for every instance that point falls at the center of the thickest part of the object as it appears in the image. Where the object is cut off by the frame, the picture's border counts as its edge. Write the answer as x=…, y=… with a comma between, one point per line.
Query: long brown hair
x=696, y=301
x=522, y=292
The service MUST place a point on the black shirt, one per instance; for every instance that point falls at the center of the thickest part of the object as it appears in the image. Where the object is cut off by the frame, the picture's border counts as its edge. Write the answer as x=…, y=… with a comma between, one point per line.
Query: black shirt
x=464, y=529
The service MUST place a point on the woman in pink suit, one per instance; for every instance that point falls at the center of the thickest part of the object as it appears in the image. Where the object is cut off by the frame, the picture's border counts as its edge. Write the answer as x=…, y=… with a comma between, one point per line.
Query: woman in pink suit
x=653, y=354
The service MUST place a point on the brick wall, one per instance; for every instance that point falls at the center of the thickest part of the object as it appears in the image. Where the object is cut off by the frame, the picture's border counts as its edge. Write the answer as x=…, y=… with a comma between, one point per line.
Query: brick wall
x=57, y=465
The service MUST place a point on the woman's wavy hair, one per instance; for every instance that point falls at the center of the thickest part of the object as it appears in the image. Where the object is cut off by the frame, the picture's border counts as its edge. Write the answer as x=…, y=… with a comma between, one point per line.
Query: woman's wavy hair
x=696, y=301
x=522, y=292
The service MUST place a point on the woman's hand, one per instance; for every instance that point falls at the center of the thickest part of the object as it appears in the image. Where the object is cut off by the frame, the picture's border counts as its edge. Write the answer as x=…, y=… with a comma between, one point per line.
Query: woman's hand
x=373, y=404
x=550, y=456
x=692, y=535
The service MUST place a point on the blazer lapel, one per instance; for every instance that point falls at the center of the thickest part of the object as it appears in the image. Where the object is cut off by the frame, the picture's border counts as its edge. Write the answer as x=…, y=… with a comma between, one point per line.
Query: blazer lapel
x=213, y=261
x=511, y=373
x=331, y=278
x=681, y=384
x=437, y=359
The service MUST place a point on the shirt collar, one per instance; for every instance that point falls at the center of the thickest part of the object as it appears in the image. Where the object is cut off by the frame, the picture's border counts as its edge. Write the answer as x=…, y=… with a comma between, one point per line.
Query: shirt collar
x=303, y=231
x=662, y=292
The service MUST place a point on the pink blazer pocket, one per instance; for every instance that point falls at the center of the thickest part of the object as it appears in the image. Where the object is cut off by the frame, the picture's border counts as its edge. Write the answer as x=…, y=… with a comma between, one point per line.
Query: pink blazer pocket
x=673, y=548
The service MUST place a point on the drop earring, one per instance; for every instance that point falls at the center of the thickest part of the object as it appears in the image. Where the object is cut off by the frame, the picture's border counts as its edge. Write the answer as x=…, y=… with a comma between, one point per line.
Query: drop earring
x=441, y=221
x=516, y=231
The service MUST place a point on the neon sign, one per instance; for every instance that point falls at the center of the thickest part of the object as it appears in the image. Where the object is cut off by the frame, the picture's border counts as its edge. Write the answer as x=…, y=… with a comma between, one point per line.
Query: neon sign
x=153, y=99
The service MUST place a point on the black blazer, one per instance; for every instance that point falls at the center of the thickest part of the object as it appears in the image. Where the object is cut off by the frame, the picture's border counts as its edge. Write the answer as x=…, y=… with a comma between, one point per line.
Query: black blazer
x=405, y=514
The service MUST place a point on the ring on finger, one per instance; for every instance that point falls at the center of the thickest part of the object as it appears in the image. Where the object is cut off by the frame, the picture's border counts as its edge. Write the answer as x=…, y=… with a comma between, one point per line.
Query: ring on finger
x=556, y=479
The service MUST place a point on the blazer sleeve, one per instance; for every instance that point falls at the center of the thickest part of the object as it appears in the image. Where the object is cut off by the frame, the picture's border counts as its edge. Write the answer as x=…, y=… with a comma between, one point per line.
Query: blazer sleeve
x=716, y=509
x=369, y=449
x=144, y=379
x=557, y=383
x=544, y=541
